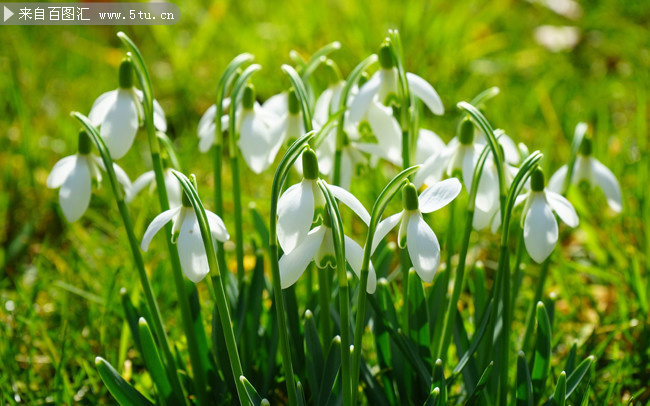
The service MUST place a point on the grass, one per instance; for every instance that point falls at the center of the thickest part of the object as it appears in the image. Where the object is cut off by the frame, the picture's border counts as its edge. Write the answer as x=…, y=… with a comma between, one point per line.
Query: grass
x=59, y=282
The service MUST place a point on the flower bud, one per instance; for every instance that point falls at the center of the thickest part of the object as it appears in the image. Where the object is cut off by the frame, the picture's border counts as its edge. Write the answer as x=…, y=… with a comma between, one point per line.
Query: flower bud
x=537, y=180
x=466, y=136
x=309, y=164
x=248, y=99
x=126, y=74
x=410, y=197
x=385, y=55
x=294, y=105
x=84, y=143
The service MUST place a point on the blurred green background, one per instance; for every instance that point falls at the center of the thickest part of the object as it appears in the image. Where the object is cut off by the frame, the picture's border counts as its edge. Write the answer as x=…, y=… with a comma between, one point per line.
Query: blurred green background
x=59, y=282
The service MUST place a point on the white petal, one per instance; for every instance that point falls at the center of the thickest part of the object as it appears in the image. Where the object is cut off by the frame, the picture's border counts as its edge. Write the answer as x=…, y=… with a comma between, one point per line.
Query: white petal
x=159, y=120
x=156, y=225
x=439, y=195
x=428, y=144
x=384, y=227
x=362, y=100
x=557, y=180
x=425, y=92
x=254, y=142
x=74, y=195
x=391, y=155
x=140, y=183
x=294, y=263
x=605, y=179
x=295, y=214
x=352, y=202
x=101, y=106
x=540, y=229
x=120, y=124
x=563, y=208
x=322, y=108
x=60, y=171
x=510, y=150
x=206, y=119
x=469, y=155
x=433, y=168
x=278, y=104
x=386, y=128
x=191, y=250
x=354, y=255
x=122, y=177
x=217, y=227
x=206, y=142
x=423, y=247
x=482, y=218
x=487, y=195
x=174, y=192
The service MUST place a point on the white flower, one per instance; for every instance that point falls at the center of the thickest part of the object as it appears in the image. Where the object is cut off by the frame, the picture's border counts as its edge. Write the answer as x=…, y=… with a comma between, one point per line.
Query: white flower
x=289, y=126
x=556, y=39
x=74, y=175
x=186, y=234
x=428, y=144
x=118, y=114
x=148, y=179
x=539, y=223
x=328, y=102
x=207, y=125
x=589, y=169
x=318, y=246
x=303, y=203
x=383, y=85
x=414, y=232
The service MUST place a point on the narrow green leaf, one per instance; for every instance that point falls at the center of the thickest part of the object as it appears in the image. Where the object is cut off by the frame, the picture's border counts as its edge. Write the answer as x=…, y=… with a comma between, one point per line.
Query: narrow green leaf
x=418, y=313
x=434, y=398
x=260, y=227
x=439, y=383
x=131, y=315
x=476, y=340
x=301, y=394
x=524, y=385
x=122, y=391
x=253, y=396
x=574, y=379
x=153, y=362
x=314, y=360
x=571, y=359
x=295, y=335
x=476, y=393
x=376, y=394
x=559, y=397
x=331, y=370
x=542, y=361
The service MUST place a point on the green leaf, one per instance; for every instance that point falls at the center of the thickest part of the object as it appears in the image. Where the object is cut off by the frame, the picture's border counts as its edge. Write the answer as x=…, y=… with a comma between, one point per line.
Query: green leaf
x=331, y=370
x=295, y=335
x=559, y=397
x=375, y=392
x=314, y=360
x=574, y=379
x=478, y=390
x=301, y=394
x=260, y=227
x=542, y=361
x=153, y=362
x=476, y=340
x=524, y=384
x=434, y=398
x=122, y=391
x=571, y=359
x=418, y=313
x=439, y=383
x=131, y=315
x=253, y=396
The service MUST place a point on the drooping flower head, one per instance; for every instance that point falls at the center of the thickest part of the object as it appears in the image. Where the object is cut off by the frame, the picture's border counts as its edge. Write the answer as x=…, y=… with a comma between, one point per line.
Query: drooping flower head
x=76, y=174
x=414, y=233
x=593, y=173
x=118, y=113
x=149, y=179
x=186, y=234
x=539, y=223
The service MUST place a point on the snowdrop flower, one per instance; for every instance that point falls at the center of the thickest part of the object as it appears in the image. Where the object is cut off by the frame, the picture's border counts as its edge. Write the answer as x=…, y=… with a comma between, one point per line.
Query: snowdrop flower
x=352, y=157
x=75, y=175
x=328, y=102
x=539, y=223
x=186, y=234
x=428, y=144
x=414, y=233
x=149, y=179
x=318, y=246
x=207, y=126
x=303, y=204
x=383, y=86
x=289, y=127
x=588, y=169
x=118, y=113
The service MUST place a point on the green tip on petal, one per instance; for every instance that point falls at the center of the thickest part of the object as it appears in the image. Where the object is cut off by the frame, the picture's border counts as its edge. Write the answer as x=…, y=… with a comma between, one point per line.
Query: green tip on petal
x=410, y=197
x=363, y=78
x=309, y=164
x=332, y=72
x=84, y=142
x=537, y=180
x=466, y=136
x=294, y=106
x=248, y=99
x=586, y=146
x=126, y=74
x=385, y=55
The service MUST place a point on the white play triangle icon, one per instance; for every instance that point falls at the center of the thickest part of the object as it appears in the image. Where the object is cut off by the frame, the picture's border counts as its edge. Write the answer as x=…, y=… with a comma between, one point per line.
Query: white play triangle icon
x=8, y=13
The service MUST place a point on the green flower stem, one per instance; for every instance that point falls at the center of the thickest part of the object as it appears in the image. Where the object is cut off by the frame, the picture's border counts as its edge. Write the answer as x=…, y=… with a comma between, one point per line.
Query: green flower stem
x=183, y=299
x=344, y=297
x=220, y=293
x=302, y=94
x=392, y=188
x=450, y=315
x=530, y=315
x=235, y=98
x=158, y=325
x=340, y=128
x=279, y=179
x=324, y=296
